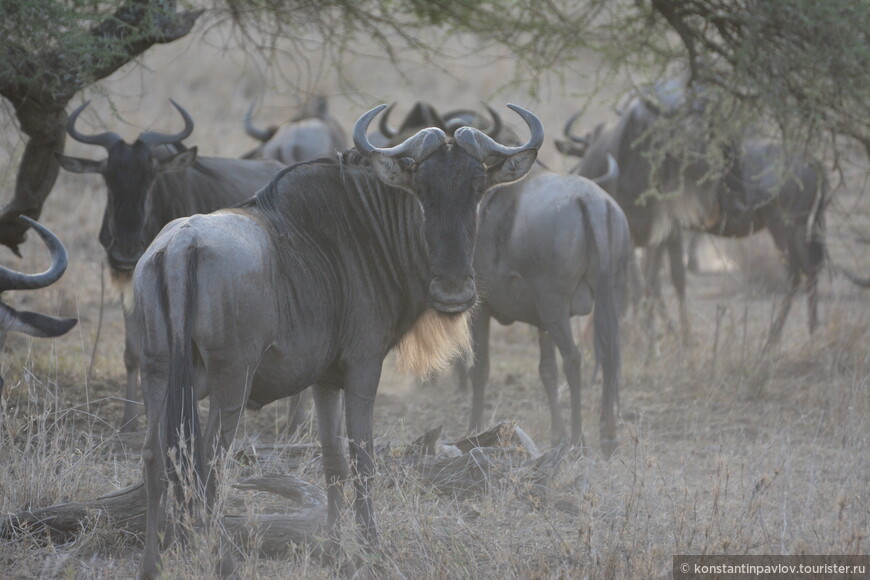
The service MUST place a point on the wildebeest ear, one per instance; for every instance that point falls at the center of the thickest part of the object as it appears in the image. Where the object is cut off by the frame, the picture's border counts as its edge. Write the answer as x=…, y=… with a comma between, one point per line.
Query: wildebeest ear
x=395, y=171
x=511, y=168
x=178, y=162
x=35, y=324
x=77, y=165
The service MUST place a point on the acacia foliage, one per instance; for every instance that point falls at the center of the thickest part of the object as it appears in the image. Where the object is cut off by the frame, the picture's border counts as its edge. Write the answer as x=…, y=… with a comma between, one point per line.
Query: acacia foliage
x=799, y=68
x=795, y=69
x=802, y=65
x=50, y=49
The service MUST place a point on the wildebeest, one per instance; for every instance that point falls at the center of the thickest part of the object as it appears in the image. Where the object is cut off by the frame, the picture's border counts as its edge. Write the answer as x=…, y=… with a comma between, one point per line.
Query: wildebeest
x=33, y=323
x=313, y=282
x=150, y=183
x=550, y=247
x=763, y=188
x=311, y=134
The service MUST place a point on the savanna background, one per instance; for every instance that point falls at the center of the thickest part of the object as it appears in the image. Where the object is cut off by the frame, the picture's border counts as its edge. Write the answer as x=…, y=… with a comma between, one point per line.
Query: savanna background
x=722, y=450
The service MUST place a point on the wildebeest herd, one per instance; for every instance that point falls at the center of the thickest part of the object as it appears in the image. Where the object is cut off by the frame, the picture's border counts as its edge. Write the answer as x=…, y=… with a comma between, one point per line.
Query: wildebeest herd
x=310, y=265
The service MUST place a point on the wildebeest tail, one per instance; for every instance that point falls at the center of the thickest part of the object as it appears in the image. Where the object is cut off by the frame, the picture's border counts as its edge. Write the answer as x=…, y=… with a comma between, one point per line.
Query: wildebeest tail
x=183, y=434
x=608, y=299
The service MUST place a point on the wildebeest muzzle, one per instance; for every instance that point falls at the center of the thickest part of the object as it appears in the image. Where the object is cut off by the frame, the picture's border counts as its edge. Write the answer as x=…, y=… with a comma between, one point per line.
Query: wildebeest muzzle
x=451, y=295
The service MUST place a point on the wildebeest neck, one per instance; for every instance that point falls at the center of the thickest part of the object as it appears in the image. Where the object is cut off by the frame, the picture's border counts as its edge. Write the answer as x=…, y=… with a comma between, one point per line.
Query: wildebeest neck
x=368, y=244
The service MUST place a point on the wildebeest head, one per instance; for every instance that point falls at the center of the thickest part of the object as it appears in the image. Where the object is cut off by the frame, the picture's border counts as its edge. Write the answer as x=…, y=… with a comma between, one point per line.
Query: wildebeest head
x=33, y=323
x=130, y=171
x=576, y=145
x=310, y=134
x=449, y=178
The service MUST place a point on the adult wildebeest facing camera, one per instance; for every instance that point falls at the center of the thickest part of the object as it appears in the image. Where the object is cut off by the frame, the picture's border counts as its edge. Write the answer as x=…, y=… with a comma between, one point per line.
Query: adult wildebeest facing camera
x=34, y=323
x=312, y=282
x=549, y=247
x=149, y=183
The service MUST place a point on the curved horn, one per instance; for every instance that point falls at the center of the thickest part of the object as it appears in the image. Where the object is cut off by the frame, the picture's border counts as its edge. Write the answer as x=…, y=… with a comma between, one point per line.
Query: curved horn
x=570, y=125
x=612, y=171
x=259, y=134
x=153, y=138
x=12, y=280
x=384, y=125
x=417, y=147
x=106, y=139
x=496, y=122
x=480, y=145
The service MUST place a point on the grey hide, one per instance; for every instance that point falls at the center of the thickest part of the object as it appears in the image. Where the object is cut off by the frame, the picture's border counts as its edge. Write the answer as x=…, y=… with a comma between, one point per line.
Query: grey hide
x=312, y=282
x=149, y=183
x=311, y=134
x=752, y=195
x=551, y=247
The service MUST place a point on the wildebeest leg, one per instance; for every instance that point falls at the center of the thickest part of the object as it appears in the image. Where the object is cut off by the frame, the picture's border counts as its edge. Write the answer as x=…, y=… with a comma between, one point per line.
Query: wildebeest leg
x=327, y=403
x=635, y=295
x=652, y=264
x=652, y=298
x=810, y=255
x=692, y=249
x=229, y=387
x=480, y=366
x=361, y=385
x=298, y=412
x=154, y=470
x=549, y=372
x=812, y=285
x=784, y=237
x=678, y=278
x=131, y=363
x=560, y=333
x=794, y=282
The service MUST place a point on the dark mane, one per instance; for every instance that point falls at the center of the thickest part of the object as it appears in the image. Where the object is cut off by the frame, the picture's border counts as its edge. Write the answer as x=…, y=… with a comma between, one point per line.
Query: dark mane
x=346, y=201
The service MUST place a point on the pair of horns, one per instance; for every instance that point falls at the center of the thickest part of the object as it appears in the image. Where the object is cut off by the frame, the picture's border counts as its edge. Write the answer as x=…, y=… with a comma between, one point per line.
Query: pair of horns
x=476, y=142
x=109, y=138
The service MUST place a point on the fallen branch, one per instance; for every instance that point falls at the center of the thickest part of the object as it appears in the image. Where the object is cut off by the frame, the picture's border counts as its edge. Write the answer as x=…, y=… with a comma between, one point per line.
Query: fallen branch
x=460, y=469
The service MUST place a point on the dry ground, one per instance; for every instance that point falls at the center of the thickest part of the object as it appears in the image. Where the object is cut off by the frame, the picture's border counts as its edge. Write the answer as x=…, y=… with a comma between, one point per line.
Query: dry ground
x=721, y=451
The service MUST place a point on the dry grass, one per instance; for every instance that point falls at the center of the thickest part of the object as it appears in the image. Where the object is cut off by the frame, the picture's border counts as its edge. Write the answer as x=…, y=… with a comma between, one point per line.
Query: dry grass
x=750, y=456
